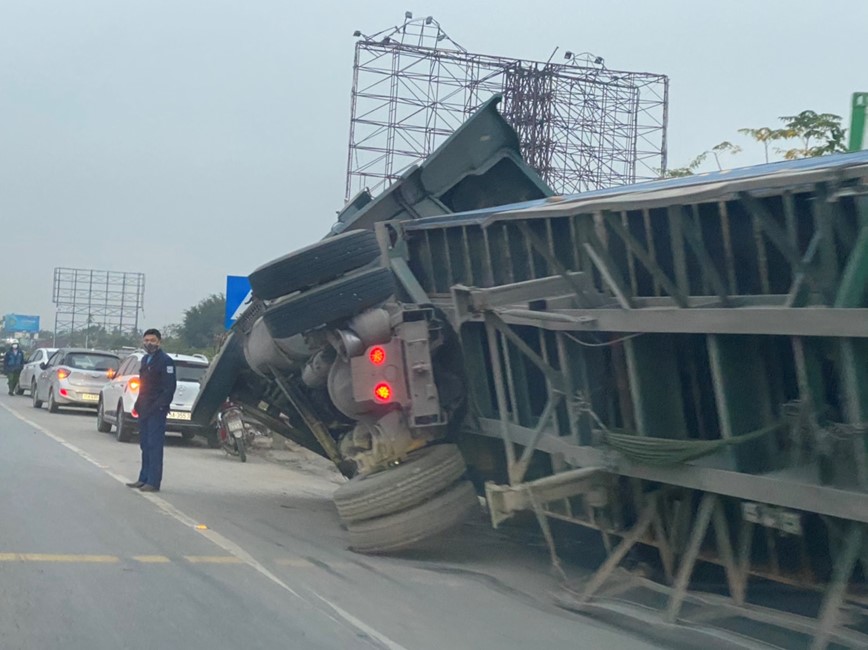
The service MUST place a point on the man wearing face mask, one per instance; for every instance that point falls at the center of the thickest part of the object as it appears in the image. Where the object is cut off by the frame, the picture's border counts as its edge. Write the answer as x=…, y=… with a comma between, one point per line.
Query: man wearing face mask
x=156, y=389
x=13, y=362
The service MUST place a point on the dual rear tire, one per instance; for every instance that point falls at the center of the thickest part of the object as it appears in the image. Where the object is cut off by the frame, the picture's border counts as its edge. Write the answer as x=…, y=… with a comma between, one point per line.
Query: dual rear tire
x=396, y=508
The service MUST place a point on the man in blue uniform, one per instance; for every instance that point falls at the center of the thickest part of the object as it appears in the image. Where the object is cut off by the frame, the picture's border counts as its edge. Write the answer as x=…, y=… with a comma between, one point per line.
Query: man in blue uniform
x=156, y=391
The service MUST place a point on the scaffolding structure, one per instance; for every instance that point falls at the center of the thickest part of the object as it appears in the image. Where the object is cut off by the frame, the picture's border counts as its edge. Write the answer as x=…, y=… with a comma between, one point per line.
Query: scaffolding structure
x=87, y=298
x=581, y=125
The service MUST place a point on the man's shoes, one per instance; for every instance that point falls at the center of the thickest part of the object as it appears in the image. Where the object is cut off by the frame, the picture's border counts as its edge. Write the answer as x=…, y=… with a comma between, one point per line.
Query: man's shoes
x=135, y=484
x=148, y=488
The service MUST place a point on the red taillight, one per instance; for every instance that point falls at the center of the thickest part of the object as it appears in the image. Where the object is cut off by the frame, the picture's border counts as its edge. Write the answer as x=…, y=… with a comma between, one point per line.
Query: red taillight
x=64, y=392
x=62, y=373
x=383, y=392
x=134, y=413
x=133, y=385
x=377, y=356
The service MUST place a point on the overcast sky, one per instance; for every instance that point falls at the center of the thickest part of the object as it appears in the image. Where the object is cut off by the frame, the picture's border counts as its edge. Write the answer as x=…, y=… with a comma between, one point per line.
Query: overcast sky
x=190, y=140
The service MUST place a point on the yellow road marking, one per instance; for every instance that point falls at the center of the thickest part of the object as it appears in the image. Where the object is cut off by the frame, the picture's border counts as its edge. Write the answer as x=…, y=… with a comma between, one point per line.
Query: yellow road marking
x=213, y=559
x=152, y=559
x=59, y=557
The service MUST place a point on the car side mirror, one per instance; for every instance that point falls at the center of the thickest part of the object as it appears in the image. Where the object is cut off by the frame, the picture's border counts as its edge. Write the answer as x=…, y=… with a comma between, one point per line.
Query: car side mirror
x=43, y=365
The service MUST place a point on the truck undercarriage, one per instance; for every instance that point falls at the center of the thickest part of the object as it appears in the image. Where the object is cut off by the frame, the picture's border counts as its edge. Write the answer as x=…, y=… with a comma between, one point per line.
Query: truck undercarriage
x=681, y=365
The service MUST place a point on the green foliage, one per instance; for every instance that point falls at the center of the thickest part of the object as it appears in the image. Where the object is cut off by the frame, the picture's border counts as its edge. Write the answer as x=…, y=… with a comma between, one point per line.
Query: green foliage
x=203, y=323
x=817, y=134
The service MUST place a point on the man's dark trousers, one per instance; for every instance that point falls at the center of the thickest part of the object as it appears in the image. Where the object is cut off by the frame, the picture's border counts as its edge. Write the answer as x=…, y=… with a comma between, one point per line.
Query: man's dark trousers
x=152, y=438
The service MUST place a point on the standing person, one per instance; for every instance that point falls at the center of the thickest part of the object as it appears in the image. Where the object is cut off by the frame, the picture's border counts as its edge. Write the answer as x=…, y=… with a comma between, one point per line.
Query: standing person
x=156, y=391
x=13, y=362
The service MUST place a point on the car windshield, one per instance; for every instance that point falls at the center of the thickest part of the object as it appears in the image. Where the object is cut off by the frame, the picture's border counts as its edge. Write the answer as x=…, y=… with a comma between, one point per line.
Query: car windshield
x=90, y=361
x=190, y=371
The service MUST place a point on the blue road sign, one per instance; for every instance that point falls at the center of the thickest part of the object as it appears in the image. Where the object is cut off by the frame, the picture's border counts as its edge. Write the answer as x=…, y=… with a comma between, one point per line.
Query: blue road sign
x=237, y=297
x=21, y=323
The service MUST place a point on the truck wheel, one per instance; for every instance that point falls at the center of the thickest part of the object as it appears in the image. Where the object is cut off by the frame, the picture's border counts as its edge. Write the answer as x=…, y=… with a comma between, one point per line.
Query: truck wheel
x=404, y=529
x=219, y=379
x=330, y=302
x=314, y=264
x=425, y=473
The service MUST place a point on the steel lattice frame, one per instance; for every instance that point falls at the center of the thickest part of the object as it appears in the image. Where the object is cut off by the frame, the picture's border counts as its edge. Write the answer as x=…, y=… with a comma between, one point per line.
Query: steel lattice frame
x=87, y=297
x=580, y=125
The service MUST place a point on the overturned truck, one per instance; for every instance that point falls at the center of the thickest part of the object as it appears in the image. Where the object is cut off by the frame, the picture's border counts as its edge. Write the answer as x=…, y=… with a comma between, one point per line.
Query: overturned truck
x=681, y=364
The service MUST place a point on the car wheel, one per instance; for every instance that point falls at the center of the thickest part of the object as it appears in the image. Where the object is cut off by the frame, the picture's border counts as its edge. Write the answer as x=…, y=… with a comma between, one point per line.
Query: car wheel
x=404, y=529
x=52, y=405
x=425, y=473
x=219, y=379
x=19, y=390
x=314, y=264
x=124, y=431
x=188, y=435
x=337, y=300
x=101, y=425
x=37, y=403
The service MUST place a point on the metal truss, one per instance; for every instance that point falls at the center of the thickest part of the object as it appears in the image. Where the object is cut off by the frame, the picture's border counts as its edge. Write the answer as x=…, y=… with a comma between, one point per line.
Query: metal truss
x=581, y=125
x=693, y=363
x=88, y=297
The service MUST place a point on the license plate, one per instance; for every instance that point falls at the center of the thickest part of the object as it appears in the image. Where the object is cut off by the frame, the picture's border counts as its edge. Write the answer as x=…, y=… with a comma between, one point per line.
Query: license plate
x=179, y=415
x=89, y=397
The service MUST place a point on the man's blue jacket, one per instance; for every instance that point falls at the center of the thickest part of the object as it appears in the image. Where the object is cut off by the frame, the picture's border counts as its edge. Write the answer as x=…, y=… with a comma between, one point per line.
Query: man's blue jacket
x=157, y=387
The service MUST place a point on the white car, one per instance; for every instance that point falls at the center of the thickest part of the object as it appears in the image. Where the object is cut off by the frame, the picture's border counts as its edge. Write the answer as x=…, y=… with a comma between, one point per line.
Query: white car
x=118, y=397
x=31, y=369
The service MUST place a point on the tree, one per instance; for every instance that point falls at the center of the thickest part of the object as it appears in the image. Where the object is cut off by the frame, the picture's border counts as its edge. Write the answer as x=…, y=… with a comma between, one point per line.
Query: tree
x=203, y=323
x=818, y=134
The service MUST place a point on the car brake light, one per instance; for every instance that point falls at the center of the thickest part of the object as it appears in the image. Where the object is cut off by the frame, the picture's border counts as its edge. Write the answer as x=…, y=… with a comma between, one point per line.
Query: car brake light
x=383, y=392
x=134, y=413
x=377, y=356
x=62, y=373
x=134, y=385
x=64, y=392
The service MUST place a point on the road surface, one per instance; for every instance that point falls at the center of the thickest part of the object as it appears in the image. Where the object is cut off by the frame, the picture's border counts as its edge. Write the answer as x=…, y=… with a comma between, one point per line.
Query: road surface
x=233, y=555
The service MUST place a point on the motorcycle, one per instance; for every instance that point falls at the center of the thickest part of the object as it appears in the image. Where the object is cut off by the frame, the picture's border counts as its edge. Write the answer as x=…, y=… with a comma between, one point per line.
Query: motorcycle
x=234, y=433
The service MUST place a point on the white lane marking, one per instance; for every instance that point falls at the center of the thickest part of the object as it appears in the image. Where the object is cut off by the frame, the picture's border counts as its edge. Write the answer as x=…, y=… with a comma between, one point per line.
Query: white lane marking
x=226, y=544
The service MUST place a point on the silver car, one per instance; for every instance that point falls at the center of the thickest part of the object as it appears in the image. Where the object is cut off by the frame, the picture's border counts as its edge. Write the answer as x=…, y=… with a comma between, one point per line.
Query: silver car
x=74, y=377
x=32, y=368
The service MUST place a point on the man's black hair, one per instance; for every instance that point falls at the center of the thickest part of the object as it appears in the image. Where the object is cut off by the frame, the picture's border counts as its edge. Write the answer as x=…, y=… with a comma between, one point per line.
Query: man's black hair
x=155, y=332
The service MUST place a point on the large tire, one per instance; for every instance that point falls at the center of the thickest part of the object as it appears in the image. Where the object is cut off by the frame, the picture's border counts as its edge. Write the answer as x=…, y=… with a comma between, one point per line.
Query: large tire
x=219, y=379
x=315, y=264
x=101, y=425
x=404, y=529
x=124, y=431
x=424, y=474
x=330, y=302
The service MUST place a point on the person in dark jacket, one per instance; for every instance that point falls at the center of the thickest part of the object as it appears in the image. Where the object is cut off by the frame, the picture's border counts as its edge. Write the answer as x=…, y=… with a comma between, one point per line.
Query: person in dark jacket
x=157, y=383
x=13, y=362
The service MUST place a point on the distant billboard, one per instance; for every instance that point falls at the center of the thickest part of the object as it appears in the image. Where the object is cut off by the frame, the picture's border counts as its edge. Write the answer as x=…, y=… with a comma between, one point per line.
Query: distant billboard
x=21, y=323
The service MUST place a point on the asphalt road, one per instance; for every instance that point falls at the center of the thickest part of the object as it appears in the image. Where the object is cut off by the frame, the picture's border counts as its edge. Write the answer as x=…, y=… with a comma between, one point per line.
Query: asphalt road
x=233, y=555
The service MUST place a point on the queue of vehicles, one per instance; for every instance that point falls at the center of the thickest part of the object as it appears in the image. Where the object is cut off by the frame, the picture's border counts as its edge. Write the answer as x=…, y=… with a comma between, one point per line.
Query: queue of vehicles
x=108, y=382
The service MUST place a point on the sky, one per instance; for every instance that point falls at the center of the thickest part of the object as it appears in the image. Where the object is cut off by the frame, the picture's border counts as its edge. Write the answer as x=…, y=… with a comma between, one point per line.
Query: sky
x=191, y=140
